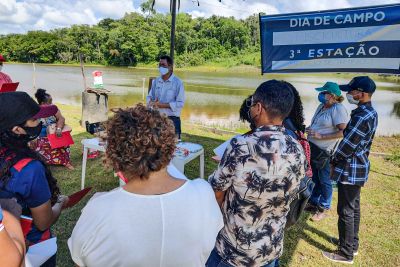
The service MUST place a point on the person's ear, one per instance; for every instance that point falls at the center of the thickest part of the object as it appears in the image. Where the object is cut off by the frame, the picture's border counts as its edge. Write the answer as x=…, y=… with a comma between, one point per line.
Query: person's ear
x=363, y=96
x=18, y=130
x=259, y=108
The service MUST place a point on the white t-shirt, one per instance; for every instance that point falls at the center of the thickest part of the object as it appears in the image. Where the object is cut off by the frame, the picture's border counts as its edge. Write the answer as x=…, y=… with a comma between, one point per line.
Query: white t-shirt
x=324, y=121
x=120, y=228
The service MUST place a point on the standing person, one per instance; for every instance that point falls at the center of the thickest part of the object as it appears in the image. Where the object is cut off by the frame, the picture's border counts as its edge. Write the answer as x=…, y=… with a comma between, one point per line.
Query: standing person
x=4, y=78
x=23, y=173
x=350, y=165
x=155, y=219
x=53, y=156
x=254, y=182
x=324, y=133
x=167, y=93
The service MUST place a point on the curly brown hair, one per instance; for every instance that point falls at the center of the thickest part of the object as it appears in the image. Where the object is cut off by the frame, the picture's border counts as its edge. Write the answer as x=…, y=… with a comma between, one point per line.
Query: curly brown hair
x=140, y=141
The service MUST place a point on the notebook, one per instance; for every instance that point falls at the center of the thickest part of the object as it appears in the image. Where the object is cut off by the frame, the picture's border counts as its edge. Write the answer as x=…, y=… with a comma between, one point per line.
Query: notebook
x=63, y=141
x=9, y=87
x=76, y=197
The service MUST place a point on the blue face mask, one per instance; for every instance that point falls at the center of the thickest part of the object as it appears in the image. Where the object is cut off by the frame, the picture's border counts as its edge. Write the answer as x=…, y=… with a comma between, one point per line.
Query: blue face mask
x=321, y=98
x=163, y=70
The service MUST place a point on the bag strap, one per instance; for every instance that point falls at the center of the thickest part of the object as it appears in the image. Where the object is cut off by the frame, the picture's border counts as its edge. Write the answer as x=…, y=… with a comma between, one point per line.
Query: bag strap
x=22, y=163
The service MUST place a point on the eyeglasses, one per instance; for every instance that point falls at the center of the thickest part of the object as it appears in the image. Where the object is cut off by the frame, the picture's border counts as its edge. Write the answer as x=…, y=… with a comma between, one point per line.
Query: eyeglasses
x=250, y=102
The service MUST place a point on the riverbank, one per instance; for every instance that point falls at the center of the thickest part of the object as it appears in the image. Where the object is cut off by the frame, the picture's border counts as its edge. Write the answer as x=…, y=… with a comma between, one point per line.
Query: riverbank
x=232, y=66
x=380, y=202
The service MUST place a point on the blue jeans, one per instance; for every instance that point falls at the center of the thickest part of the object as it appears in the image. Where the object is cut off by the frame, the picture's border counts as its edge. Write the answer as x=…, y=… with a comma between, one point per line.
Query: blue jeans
x=215, y=260
x=177, y=124
x=322, y=193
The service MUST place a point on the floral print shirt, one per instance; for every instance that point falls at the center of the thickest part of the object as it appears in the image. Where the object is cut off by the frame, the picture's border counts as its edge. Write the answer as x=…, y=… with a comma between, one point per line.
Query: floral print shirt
x=260, y=172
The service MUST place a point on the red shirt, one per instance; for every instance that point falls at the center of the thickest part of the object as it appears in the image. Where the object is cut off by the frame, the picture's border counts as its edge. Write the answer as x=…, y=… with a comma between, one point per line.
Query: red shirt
x=4, y=78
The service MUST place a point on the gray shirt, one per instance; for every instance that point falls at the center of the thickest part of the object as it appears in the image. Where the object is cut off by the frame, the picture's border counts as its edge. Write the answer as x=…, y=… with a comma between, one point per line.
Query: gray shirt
x=324, y=121
x=169, y=92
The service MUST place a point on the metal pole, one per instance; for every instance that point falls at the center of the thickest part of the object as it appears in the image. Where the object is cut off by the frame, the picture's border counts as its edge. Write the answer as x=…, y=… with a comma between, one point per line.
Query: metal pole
x=173, y=14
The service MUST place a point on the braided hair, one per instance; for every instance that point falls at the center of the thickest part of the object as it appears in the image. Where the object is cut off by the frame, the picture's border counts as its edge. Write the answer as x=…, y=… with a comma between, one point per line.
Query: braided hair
x=41, y=96
x=296, y=115
x=13, y=150
x=244, y=112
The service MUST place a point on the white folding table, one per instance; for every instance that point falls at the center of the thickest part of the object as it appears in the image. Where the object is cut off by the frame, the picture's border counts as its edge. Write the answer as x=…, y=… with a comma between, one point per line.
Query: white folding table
x=179, y=160
x=93, y=144
x=194, y=151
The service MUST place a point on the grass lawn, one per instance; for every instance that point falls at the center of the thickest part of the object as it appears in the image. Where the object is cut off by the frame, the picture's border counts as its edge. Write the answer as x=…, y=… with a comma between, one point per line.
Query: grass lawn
x=380, y=203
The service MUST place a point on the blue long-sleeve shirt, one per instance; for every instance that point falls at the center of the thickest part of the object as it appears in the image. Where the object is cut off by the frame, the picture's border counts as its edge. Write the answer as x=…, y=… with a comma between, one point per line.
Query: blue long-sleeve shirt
x=169, y=92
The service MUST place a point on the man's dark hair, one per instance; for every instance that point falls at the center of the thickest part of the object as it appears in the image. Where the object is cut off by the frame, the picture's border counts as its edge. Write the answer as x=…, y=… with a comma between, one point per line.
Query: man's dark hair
x=276, y=97
x=169, y=60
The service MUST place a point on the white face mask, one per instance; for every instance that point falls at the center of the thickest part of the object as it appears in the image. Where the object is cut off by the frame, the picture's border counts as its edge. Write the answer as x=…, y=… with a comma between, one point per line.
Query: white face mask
x=163, y=70
x=351, y=99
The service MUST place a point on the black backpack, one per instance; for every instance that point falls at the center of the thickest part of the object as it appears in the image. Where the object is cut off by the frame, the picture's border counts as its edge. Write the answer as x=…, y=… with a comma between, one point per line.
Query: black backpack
x=299, y=201
x=300, y=198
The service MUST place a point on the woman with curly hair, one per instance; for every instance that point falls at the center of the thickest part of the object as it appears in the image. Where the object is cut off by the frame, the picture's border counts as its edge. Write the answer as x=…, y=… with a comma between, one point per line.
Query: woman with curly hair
x=155, y=219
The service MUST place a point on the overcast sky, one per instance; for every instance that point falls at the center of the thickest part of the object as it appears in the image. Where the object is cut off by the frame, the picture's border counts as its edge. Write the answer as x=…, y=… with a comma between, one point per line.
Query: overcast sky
x=20, y=16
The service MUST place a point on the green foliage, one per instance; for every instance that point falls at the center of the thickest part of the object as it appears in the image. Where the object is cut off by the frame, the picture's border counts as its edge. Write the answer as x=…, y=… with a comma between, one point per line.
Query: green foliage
x=140, y=38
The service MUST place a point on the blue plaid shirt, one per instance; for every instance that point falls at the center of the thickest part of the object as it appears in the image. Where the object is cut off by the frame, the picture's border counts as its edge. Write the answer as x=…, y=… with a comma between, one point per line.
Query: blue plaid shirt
x=350, y=160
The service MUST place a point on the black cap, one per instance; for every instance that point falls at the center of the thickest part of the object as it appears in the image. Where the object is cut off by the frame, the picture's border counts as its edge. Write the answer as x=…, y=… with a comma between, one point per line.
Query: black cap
x=361, y=83
x=15, y=109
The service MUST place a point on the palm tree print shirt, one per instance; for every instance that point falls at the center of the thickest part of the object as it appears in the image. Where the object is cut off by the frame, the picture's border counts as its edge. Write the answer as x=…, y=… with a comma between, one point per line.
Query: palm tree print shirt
x=260, y=172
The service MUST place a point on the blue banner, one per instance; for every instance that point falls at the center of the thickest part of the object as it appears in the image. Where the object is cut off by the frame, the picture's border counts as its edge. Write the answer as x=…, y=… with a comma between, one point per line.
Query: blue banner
x=363, y=39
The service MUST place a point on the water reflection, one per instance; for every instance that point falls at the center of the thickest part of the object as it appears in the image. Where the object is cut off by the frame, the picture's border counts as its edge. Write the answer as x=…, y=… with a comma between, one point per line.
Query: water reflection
x=213, y=99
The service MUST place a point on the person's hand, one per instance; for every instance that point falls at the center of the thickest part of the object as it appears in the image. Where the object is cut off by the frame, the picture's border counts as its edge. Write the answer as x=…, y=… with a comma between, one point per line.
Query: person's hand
x=58, y=132
x=314, y=134
x=156, y=103
x=152, y=104
x=11, y=205
x=63, y=200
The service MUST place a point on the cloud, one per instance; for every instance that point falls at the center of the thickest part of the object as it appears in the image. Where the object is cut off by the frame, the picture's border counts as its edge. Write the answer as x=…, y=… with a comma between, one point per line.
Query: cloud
x=314, y=5
x=22, y=16
x=19, y=16
x=236, y=8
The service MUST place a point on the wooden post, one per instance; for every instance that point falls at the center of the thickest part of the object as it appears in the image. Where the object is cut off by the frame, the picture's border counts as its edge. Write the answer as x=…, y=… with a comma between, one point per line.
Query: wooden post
x=34, y=76
x=150, y=83
x=94, y=102
x=83, y=72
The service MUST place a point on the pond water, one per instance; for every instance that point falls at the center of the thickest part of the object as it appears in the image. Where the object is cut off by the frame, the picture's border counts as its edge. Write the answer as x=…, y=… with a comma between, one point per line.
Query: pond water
x=212, y=98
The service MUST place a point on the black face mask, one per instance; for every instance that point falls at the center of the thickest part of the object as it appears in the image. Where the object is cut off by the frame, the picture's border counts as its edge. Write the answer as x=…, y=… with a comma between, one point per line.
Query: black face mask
x=31, y=132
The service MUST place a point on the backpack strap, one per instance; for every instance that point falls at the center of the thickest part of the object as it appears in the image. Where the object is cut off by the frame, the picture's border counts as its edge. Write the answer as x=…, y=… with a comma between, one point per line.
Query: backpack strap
x=22, y=163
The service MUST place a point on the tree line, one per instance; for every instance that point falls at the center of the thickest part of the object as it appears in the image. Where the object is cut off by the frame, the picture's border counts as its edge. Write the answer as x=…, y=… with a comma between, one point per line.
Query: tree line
x=137, y=38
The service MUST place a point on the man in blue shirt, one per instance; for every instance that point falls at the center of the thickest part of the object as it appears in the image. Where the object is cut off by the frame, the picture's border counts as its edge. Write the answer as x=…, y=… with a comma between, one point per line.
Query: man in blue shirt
x=167, y=93
x=350, y=165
